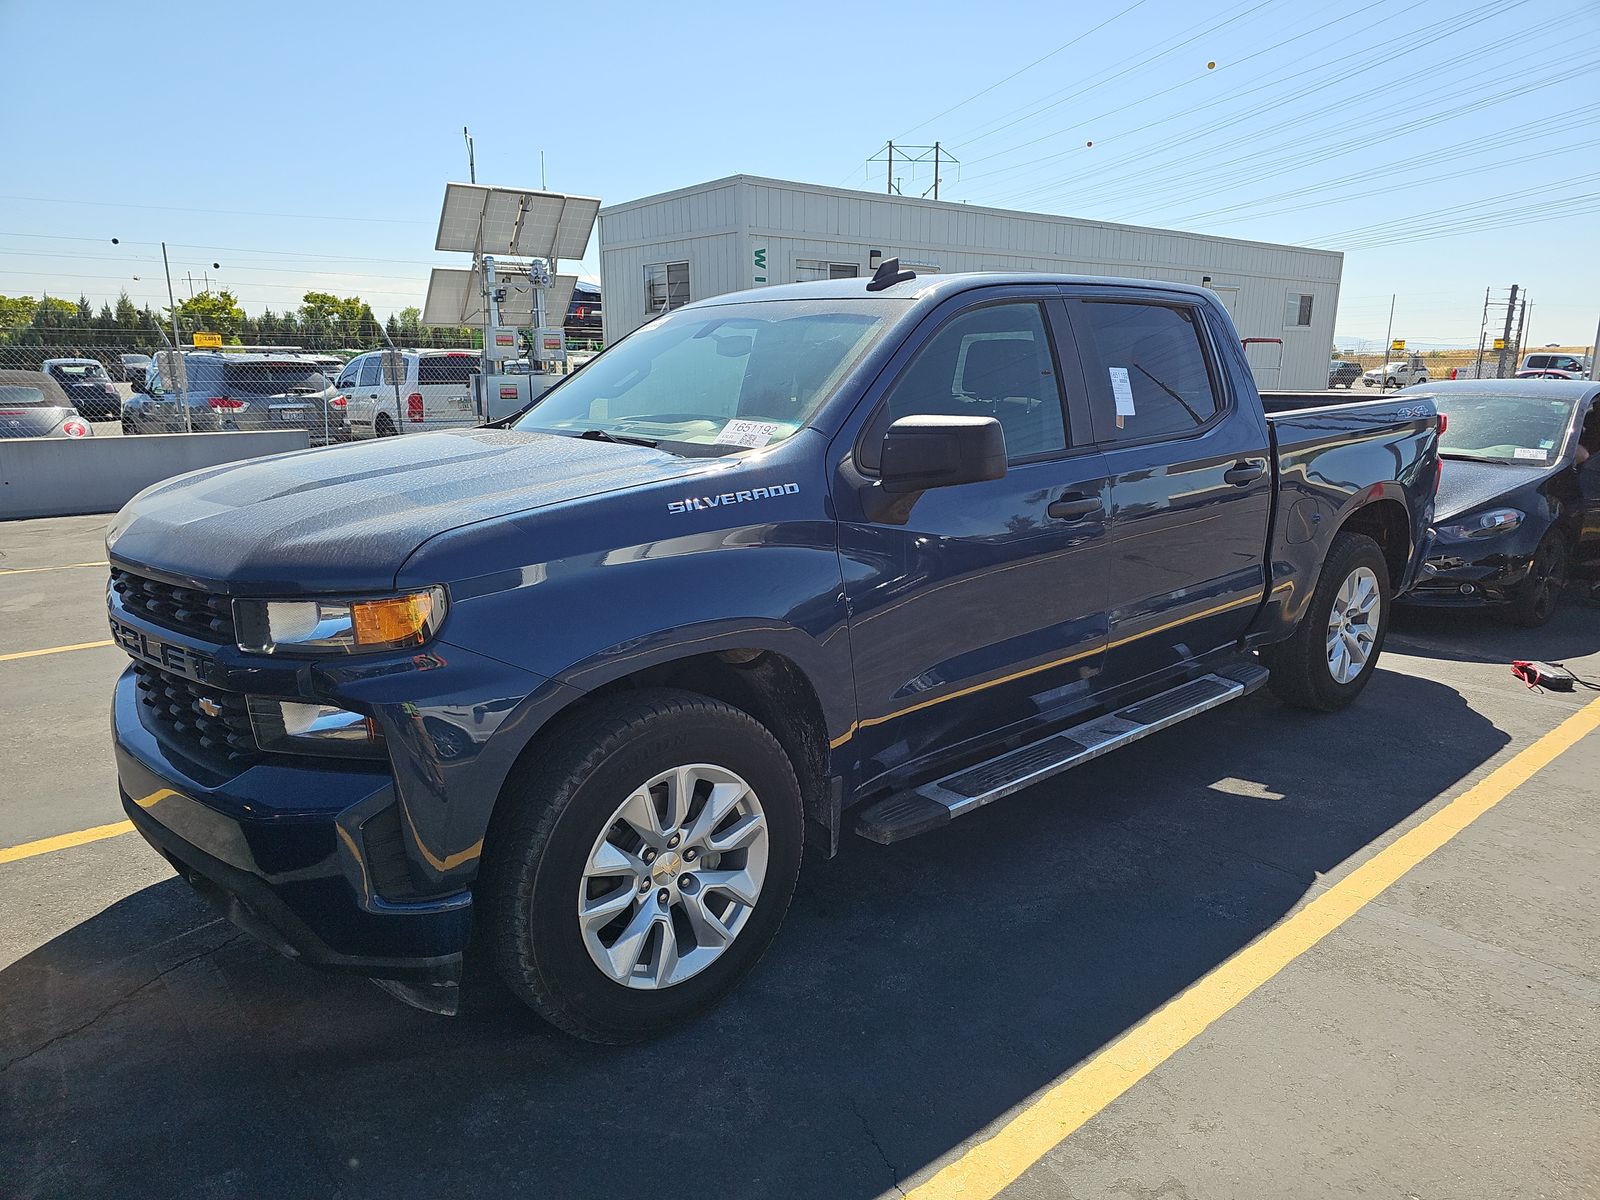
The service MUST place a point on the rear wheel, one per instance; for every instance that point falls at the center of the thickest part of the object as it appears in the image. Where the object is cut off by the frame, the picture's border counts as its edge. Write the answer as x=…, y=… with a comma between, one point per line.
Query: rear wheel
x=385, y=426
x=1334, y=651
x=1538, y=596
x=643, y=866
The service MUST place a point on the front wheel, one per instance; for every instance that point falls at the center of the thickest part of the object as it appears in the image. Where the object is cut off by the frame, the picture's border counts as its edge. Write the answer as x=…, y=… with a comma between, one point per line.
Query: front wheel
x=1535, y=600
x=1333, y=652
x=642, y=866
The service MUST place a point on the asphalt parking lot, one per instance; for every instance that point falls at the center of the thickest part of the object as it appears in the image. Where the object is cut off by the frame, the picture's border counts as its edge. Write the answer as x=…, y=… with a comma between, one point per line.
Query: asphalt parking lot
x=1263, y=953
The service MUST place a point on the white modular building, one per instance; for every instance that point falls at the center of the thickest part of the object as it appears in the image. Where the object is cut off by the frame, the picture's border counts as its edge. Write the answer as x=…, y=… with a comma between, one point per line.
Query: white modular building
x=744, y=231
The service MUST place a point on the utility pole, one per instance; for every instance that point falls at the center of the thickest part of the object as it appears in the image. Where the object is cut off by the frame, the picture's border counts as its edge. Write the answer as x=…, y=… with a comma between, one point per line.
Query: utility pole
x=1522, y=330
x=180, y=378
x=472, y=161
x=888, y=175
x=1388, y=344
x=1483, y=336
x=1505, y=337
x=936, y=170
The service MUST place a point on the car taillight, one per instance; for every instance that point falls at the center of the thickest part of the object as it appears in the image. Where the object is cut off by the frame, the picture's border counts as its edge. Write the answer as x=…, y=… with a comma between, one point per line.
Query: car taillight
x=414, y=406
x=1444, y=423
x=224, y=402
x=337, y=402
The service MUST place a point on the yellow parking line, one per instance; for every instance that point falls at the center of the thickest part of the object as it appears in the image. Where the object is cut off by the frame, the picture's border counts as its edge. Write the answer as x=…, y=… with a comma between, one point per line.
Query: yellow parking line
x=55, y=650
x=64, y=840
x=988, y=1167
x=4, y=571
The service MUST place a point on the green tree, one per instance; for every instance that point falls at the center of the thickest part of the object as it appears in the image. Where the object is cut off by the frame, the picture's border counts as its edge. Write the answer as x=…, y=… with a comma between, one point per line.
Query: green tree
x=16, y=313
x=213, y=312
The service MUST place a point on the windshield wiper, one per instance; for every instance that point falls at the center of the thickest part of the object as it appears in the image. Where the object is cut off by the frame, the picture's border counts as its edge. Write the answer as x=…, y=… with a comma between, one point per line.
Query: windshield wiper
x=601, y=435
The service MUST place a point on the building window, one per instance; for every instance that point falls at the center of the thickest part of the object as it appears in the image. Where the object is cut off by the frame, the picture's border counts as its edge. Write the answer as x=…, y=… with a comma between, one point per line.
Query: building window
x=808, y=269
x=666, y=286
x=1297, y=311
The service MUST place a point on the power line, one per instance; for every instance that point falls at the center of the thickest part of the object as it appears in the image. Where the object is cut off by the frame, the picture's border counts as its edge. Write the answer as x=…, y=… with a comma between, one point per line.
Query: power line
x=1022, y=70
x=1138, y=164
x=225, y=212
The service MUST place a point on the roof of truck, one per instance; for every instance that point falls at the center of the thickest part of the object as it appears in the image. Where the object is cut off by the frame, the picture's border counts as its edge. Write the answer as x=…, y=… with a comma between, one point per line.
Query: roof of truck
x=934, y=287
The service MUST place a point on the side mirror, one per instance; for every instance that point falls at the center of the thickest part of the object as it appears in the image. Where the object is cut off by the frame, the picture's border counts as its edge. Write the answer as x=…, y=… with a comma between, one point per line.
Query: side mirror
x=939, y=451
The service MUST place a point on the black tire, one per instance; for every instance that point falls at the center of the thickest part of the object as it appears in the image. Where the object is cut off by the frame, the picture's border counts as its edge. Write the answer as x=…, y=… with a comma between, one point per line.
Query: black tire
x=1539, y=595
x=1301, y=674
x=384, y=426
x=549, y=818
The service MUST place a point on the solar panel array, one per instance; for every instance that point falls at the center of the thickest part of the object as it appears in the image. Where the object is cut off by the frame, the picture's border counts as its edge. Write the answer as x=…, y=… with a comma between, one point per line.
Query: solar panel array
x=477, y=219
x=455, y=297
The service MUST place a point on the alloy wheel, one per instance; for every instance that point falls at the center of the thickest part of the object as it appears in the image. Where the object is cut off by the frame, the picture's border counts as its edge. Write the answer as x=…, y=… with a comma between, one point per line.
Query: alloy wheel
x=673, y=877
x=1353, y=624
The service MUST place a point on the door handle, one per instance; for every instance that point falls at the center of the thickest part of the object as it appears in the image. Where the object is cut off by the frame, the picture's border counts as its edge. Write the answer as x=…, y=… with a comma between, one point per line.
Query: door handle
x=1242, y=473
x=1073, y=506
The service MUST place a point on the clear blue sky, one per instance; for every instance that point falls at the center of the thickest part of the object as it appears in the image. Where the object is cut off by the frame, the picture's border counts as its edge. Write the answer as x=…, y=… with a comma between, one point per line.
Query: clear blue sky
x=306, y=145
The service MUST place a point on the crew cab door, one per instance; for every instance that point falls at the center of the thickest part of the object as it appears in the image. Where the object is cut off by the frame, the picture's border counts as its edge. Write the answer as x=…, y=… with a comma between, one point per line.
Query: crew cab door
x=1191, y=478
x=982, y=606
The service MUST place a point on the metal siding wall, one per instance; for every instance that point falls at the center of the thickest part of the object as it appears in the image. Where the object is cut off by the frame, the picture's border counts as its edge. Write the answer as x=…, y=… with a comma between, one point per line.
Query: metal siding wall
x=795, y=221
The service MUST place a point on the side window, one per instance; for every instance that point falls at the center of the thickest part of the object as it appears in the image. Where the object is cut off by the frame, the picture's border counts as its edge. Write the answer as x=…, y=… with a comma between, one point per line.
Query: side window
x=1146, y=368
x=371, y=370
x=1297, y=310
x=348, y=374
x=994, y=361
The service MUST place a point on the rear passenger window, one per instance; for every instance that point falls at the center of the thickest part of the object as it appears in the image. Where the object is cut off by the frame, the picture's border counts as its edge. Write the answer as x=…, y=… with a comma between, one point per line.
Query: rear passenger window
x=446, y=368
x=1146, y=368
x=996, y=362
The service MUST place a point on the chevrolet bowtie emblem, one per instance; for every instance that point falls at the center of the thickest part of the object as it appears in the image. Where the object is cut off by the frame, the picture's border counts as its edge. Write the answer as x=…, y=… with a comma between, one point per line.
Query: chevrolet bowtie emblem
x=208, y=706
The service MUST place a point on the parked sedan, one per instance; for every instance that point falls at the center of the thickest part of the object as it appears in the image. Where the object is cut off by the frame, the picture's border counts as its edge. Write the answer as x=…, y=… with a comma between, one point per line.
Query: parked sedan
x=1343, y=373
x=32, y=404
x=87, y=386
x=1518, y=510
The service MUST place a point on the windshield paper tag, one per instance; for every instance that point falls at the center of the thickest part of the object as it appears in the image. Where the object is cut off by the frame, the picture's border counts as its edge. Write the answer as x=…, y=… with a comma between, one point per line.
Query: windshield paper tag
x=1121, y=392
x=754, y=434
x=1524, y=452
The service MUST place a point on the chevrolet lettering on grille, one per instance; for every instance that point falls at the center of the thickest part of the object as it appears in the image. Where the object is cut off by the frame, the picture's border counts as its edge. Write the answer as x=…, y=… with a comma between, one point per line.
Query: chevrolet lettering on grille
x=178, y=659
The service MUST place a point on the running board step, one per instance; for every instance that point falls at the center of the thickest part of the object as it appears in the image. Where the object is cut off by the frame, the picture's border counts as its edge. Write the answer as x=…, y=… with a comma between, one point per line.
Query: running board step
x=921, y=809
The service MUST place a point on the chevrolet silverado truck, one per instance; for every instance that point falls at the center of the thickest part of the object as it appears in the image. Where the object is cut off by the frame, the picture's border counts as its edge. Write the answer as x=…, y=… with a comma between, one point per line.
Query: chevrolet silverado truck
x=569, y=697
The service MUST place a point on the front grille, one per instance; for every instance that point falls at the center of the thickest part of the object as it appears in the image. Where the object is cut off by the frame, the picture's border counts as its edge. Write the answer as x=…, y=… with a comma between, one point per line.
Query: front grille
x=173, y=704
x=185, y=609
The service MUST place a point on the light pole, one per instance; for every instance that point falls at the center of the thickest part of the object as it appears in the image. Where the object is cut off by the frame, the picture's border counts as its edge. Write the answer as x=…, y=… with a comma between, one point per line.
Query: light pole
x=180, y=380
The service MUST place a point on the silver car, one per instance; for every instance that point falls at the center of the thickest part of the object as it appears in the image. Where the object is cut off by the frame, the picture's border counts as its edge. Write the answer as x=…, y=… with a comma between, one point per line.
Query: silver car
x=33, y=405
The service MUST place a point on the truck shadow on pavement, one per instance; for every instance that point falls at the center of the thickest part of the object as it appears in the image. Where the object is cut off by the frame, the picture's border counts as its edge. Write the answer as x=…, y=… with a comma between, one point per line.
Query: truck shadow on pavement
x=916, y=993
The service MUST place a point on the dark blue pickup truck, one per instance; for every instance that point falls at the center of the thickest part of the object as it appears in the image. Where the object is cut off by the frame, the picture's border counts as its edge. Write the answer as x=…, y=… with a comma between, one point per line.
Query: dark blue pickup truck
x=572, y=694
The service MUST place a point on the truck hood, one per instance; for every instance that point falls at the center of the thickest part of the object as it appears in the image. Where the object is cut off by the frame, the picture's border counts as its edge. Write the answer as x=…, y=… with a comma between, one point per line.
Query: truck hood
x=346, y=518
x=1465, y=486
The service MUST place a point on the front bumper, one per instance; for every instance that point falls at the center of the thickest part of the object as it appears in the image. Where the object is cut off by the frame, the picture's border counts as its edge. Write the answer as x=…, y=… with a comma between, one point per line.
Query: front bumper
x=288, y=853
x=1464, y=576
x=363, y=866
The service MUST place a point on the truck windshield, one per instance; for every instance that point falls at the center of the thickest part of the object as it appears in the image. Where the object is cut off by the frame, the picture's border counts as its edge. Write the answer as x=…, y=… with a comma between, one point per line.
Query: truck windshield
x=734, y=376
x=1503, y=428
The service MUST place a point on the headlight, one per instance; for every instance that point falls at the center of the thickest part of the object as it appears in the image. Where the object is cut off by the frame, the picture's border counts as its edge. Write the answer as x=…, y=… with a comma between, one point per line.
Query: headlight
x=296, y=727
x=339, y=626
x=1482, y=525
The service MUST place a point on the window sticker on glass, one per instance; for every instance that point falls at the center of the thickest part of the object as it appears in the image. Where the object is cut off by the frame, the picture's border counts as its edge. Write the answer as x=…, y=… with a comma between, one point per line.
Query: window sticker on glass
x=1121, y=392
x=753, y=434
x=1547, y=443
x=1525, y=452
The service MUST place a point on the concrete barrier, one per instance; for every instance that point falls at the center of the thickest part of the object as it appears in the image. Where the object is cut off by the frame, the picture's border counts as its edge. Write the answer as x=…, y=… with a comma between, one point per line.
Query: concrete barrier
x=58, y=477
